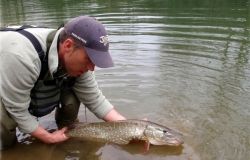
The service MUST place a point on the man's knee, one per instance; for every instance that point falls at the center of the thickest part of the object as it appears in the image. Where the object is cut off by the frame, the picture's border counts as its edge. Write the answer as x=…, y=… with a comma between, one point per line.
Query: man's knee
x=68, y=111
x=68, y=97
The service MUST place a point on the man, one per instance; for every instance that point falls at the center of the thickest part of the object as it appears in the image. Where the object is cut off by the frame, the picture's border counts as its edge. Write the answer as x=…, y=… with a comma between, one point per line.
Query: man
x=58, y=75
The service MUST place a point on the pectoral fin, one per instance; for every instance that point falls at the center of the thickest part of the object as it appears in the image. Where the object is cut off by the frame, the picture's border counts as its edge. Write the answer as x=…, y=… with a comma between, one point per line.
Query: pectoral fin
x=146, y=146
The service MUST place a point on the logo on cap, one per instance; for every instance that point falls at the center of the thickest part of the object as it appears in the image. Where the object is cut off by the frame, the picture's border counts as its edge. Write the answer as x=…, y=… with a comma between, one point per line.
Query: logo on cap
x=79, y=38
x=104, y=40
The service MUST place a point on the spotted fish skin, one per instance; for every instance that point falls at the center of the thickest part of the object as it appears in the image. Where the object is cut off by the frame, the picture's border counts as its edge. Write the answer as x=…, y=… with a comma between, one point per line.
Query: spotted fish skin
x=122, y=132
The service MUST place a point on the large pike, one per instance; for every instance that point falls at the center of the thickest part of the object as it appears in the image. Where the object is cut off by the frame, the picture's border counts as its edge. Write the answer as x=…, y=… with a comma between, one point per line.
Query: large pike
x=122, y=132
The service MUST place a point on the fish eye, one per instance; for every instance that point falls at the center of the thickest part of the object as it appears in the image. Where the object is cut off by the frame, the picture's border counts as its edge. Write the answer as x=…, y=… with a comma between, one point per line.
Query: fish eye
x=164, y=131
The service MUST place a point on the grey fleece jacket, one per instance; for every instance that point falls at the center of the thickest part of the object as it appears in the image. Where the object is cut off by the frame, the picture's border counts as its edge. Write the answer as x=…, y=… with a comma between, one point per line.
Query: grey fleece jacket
x=20, y=68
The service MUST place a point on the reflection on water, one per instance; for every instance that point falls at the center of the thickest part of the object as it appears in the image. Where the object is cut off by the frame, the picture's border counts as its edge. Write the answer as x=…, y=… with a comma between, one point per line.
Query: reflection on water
x=185, y=65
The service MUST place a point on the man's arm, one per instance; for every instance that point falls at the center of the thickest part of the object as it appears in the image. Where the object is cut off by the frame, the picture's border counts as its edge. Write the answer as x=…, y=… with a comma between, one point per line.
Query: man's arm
x=87, y=90
x=19, y=71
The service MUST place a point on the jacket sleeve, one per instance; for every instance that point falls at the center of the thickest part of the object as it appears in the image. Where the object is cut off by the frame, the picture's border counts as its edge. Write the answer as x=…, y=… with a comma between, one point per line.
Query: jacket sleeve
x=87, y=90
x=18, y=75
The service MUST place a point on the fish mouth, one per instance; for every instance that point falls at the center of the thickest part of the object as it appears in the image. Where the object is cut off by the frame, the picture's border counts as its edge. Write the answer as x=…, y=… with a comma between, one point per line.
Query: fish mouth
x=171, y=142
x=175, y=142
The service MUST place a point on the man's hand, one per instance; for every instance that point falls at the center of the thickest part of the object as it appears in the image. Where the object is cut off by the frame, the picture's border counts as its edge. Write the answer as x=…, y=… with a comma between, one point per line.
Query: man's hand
x=59, y=135
x=113, y=115
x=46, y=137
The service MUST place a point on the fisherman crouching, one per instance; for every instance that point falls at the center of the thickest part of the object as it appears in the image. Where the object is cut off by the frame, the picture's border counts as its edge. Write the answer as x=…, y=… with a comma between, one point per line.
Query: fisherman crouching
x=43, y=69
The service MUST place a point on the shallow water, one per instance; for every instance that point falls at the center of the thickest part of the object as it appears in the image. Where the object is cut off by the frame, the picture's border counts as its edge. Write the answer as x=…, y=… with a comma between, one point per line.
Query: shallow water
x=184, y=65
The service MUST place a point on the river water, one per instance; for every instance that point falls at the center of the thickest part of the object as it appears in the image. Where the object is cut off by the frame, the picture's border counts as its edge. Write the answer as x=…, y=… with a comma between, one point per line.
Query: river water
x=184, y=64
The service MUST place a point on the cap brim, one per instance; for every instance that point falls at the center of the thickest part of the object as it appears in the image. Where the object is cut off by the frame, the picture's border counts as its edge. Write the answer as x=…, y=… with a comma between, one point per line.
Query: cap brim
x=99, y=58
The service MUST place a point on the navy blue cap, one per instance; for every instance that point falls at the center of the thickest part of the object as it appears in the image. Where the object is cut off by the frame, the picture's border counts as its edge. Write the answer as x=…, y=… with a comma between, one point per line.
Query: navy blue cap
x=94, y=38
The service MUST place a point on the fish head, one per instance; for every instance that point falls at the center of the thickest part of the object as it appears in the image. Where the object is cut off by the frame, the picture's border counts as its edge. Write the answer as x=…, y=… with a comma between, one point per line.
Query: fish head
x=160, y=135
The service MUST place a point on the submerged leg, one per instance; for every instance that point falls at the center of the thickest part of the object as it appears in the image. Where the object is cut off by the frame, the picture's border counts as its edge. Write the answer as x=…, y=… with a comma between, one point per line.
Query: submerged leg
x=67, y=113
x=7, y=129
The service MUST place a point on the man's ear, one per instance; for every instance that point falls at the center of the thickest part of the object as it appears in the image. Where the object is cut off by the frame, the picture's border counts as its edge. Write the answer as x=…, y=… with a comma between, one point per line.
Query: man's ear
x=68, y=44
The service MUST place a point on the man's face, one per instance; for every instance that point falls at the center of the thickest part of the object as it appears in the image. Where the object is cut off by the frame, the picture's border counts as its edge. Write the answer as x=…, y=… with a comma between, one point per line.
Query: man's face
x=75, y=60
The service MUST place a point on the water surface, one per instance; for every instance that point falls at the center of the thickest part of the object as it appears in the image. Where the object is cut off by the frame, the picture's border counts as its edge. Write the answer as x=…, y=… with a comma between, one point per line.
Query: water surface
x=184, y=65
